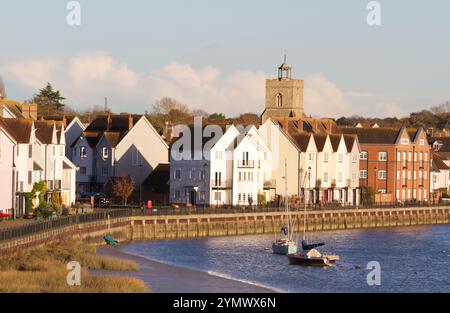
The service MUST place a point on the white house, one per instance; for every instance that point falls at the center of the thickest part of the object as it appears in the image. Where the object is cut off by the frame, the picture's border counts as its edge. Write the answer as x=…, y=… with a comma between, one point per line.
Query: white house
x=439, y=174
x=228, y=169
x=27, y=165
x=59, y=171
x=7, y=143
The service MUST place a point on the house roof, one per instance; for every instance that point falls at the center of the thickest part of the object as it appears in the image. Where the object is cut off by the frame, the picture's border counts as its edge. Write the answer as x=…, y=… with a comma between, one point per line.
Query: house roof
x=445, y=143
x=349, y=141
x=44, y=131
x=114, y=127
x=158, y=180
x=13, y=106
x=374, y=135
x=19, y=128
x=438, y=162
x=335, y=141
x=320, y=140
x=302, y=140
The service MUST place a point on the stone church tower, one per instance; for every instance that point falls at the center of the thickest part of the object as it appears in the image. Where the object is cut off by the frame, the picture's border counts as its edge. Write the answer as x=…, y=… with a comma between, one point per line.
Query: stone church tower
x=284, y=95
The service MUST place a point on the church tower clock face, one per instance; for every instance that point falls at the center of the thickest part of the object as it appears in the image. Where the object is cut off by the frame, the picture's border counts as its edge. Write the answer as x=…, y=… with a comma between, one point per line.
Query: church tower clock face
x=284, y=95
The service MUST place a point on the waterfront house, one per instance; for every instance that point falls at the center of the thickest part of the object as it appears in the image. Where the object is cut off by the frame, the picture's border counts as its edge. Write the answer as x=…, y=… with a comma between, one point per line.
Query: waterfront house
x=117, y=145
x=394, y=162
x=7, y=143
x=59, y=171
x=230, y=169
x=28, y=164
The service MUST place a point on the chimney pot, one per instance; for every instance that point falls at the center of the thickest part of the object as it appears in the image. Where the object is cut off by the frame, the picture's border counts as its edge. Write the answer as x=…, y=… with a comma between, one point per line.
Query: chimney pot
x=130, y=121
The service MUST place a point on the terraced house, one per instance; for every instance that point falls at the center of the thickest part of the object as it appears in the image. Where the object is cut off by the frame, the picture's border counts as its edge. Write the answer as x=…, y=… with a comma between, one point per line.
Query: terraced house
x=116, y=145
x=394, y=162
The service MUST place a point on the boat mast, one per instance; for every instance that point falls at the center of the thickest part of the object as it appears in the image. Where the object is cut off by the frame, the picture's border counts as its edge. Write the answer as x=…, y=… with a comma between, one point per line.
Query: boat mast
x=286, y=199
x=304, y=211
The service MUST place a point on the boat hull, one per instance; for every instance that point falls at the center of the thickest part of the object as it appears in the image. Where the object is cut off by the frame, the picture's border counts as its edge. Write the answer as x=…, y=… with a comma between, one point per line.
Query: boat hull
x=311, y=261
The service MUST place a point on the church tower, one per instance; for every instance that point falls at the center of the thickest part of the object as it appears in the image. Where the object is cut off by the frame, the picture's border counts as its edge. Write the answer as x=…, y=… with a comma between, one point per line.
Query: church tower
x=284, y=95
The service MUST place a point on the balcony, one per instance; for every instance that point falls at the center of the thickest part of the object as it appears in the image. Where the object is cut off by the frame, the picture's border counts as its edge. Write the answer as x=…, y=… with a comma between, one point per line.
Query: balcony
x=220, y=184
x=246, y=164
x=270, y=184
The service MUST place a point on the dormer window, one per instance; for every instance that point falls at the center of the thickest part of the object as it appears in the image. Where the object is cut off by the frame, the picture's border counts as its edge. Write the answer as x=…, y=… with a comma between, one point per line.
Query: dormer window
x=404, y=141
x=83, y=152
x=105, y=153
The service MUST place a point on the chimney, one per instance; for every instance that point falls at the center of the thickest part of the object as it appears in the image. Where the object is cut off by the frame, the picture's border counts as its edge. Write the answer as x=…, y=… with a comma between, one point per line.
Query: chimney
x=315, y=126
x=286, y=124
x=300, y=125
x=130, y=121
x=330, y=126
x=108, y=121
x=168, y=130
x=64, y=120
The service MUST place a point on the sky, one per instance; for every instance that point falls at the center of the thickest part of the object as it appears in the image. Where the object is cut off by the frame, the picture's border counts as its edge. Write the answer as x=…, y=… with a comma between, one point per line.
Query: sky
x=215, y=55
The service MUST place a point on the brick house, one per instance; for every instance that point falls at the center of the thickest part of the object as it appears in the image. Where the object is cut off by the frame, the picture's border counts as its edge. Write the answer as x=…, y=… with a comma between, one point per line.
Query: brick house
x=394, y=162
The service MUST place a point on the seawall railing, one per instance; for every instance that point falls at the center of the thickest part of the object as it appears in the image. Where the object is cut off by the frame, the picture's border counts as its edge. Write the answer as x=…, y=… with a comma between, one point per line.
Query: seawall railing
x=119, y=211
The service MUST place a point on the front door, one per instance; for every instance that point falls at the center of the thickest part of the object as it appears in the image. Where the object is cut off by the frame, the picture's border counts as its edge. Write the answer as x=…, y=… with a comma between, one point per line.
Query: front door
x=192, y=197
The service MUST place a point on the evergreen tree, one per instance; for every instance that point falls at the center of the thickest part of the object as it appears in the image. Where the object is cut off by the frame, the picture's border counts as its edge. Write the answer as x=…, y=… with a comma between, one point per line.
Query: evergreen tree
x=49, y=101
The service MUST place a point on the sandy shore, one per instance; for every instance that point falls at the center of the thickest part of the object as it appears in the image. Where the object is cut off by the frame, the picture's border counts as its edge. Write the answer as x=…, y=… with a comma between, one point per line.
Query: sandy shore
x=165, y=278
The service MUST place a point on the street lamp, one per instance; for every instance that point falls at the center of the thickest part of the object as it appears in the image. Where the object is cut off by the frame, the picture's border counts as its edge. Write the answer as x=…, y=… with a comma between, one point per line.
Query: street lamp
x=309, y=183
x=204, y=183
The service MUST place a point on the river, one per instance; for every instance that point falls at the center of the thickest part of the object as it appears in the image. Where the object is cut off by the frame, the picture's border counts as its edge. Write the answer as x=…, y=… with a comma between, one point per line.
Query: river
x=412, y=259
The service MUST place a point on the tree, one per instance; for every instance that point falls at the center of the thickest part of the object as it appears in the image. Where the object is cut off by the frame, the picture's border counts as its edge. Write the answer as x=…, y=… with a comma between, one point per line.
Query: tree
x=120, y=187
x=2, y=89
x=166, y=104
x=49, y=101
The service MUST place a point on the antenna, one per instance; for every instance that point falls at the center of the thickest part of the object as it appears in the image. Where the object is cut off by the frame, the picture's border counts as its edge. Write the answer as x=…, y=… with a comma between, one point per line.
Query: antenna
x=106, y=104
x=285, y=52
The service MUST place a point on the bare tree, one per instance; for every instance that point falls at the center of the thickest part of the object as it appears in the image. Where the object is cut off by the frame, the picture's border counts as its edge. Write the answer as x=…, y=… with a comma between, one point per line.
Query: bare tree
x=120, y=187
x=2, y=89
x=441, y=108
x=166, y=104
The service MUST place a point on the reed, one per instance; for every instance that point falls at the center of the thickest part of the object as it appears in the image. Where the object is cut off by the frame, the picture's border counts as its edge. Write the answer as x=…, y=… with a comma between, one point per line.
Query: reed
x=43, y=269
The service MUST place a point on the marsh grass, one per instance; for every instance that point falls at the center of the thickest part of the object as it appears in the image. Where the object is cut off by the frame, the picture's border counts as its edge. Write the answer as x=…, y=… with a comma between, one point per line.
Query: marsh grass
x=43, y=269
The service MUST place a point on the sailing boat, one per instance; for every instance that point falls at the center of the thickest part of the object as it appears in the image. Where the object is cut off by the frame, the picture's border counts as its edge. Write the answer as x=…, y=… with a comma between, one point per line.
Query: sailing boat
x=285, y=245
x=310, y=255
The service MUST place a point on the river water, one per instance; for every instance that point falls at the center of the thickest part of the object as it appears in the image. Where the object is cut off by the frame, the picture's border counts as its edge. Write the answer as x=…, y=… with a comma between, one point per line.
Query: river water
x=412, y=259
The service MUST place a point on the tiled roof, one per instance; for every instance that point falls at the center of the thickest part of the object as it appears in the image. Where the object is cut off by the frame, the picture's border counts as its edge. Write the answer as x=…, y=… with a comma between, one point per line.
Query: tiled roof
x=302, y=140
x=320, y=140
x=19, y=128
x=438, y=162
x=335, y=140
x=349, y=141
x=44, y=131
x=13, y=106
x=113, y=138
x=374, y=135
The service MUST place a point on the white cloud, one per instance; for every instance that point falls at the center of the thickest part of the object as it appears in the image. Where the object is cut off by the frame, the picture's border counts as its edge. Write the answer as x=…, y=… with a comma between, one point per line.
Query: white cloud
x=85, y=79
x=324, y=98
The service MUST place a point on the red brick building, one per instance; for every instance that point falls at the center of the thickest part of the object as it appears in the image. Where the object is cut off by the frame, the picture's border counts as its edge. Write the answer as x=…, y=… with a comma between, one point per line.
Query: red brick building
x=394, y=162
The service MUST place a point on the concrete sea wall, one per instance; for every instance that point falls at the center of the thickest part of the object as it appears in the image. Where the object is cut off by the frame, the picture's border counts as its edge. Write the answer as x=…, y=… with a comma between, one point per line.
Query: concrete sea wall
x=197, y=226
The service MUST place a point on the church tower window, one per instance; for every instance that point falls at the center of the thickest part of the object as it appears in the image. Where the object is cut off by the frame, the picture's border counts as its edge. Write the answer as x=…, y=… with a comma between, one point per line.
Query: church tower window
x=279, y=100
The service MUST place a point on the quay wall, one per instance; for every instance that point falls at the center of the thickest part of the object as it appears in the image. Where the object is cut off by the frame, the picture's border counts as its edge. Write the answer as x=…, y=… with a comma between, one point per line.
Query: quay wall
x=211, y=225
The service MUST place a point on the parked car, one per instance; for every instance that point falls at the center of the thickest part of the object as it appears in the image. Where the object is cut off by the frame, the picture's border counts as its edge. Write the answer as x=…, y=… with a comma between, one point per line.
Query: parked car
x=100, y=199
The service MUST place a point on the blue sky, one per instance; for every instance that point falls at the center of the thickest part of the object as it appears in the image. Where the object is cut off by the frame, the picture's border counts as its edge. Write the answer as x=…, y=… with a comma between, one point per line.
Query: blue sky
x=214, y=55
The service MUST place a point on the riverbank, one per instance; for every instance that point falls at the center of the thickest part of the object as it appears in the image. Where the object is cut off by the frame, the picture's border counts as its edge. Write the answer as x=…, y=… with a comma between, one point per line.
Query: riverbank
x=165, y=278
x=44, y=269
